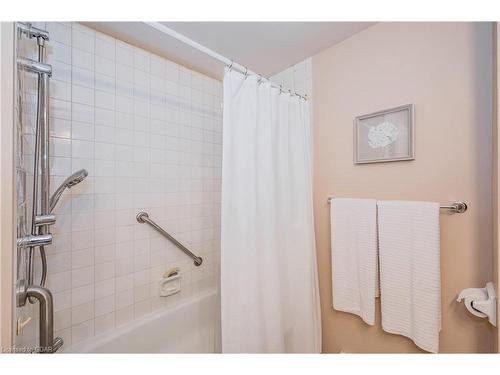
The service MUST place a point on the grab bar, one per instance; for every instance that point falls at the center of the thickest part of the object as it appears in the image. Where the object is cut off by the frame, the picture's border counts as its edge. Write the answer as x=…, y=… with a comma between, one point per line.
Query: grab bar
x=143, y=217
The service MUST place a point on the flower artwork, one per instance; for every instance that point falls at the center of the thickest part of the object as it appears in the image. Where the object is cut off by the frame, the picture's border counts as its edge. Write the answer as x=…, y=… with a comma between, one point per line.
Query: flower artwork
x=384, y=136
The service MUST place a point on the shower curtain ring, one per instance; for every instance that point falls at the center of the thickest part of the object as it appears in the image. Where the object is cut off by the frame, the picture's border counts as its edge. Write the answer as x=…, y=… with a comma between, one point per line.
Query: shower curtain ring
x=246, y=72
x=231, y=66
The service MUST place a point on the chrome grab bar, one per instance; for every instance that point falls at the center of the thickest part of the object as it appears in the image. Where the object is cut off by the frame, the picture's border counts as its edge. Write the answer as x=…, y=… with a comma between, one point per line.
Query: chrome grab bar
x=143, y=217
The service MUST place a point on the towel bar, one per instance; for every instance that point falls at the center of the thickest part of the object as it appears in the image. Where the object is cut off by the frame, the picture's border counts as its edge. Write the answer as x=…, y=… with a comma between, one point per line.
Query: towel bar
x=456, y=207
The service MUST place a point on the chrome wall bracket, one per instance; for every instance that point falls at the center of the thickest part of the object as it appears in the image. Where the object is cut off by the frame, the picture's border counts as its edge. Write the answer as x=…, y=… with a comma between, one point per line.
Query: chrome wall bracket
x=33, y=240
x=32, y=32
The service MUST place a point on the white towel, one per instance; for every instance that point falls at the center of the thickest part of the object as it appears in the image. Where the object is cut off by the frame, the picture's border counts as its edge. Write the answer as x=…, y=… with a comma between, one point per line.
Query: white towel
x=354, y=256
x=410, y=289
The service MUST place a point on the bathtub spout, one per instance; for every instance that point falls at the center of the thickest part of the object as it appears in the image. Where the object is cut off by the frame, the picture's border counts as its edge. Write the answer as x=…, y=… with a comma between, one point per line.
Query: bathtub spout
x=46, y=314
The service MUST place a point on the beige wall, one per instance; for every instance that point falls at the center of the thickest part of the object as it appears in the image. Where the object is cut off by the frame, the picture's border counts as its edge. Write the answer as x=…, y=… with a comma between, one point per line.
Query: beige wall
x=445, y=70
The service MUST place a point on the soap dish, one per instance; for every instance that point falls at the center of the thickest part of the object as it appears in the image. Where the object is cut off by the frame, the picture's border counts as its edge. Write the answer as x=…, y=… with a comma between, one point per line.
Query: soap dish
x=170, y=283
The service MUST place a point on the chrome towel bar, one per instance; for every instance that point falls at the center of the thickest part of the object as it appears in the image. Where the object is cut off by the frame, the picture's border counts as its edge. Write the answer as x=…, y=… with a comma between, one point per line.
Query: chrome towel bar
x=143, y=217
x=455, y=207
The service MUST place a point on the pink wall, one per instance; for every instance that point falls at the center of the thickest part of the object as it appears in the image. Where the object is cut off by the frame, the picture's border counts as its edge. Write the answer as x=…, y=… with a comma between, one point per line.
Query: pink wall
x=445, y=69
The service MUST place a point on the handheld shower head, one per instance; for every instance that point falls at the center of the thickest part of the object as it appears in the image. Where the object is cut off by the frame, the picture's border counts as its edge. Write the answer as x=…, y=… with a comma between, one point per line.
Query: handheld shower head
x=76, y=178
x=68, y=183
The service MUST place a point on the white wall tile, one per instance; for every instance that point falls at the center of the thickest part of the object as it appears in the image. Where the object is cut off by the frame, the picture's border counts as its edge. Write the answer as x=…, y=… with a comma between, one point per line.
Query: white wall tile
x=149, y=133
x=104, y=288
x=59, y=32
x=124, y=315
x=141, y=59
x=83, y=38
x=82, y=95
x=82, y=131
x=82, y=276
x=105, y=271
x=124, y=53
x=60, y=147
x=105, y=66
x=82, y=77
x=82, y=113
x=60, y=109
x=104, y=305
x=60, y=90
x=104, y=100
x=105, y=47
x=105, y=322
x=82, y=295
x=82, y=59
x=82, y=149
x=82, y=331
x=124, y=298
x=82, y=313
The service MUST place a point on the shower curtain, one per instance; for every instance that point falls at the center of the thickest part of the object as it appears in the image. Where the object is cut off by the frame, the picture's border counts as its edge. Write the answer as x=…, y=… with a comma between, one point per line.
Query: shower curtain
x=269, y=285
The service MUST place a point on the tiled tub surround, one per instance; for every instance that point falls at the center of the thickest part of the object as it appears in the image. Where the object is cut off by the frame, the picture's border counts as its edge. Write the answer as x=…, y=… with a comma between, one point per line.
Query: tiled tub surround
x=149, y=133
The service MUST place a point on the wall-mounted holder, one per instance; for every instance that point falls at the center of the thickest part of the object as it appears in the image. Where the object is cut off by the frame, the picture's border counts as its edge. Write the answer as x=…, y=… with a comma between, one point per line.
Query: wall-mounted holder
x=170, y=283
x=481, y=302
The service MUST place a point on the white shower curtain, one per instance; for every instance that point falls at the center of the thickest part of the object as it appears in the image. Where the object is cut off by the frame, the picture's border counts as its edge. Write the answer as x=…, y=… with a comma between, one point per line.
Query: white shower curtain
x=269, y=286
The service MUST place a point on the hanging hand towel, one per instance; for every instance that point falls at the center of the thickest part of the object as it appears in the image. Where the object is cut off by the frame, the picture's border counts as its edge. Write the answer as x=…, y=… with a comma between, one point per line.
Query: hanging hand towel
x=354, y=256
x=410, y=289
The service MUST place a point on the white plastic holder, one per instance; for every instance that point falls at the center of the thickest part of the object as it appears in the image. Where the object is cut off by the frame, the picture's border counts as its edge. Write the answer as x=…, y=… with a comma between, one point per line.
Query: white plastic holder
x=481, y=302
x=170, y=283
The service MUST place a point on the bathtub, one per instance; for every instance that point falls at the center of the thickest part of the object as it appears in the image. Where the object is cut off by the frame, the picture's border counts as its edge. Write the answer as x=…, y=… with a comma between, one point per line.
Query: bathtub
x=192, y=326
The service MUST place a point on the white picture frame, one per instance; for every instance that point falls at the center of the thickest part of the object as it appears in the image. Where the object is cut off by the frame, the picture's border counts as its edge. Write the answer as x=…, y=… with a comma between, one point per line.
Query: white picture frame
x=385, y=136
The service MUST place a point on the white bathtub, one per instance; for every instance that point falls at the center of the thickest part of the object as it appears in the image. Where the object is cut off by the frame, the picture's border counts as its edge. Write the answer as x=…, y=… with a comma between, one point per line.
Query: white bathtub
x=191, y=326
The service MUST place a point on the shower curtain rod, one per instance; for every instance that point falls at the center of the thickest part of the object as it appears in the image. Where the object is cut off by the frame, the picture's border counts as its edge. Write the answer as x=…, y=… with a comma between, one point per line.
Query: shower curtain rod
x=228, y=62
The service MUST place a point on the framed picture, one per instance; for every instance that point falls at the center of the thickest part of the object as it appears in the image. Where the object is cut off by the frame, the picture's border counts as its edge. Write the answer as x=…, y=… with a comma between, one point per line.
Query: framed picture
x=384, y=136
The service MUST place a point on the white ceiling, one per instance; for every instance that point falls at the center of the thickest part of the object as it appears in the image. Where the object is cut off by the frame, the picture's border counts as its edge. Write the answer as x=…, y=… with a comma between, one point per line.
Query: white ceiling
x=265, y=47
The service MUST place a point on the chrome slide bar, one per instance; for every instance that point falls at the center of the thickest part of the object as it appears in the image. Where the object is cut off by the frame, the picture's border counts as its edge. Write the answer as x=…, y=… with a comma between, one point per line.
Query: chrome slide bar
x=143, y=217
x=455, y=207
x=41, y=218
